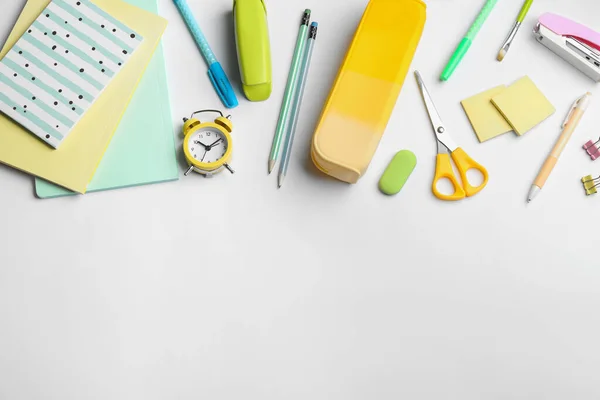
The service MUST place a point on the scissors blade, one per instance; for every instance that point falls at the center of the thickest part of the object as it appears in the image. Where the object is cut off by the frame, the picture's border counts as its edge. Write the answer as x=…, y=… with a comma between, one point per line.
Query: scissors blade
x=434, y=116
x=436, y=121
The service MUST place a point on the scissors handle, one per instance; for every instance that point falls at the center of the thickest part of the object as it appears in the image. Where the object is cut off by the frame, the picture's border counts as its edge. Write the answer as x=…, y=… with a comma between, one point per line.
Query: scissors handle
x=443, y=169
x=465, y=163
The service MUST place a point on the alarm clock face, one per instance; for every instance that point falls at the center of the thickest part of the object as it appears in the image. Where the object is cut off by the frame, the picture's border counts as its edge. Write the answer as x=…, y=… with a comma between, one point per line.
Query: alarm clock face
x=208, y=145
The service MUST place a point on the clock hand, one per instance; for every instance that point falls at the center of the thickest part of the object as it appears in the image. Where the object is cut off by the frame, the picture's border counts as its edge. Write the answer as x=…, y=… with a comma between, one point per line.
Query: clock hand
x=205, y=151
x=214, y=144
x=202, y=144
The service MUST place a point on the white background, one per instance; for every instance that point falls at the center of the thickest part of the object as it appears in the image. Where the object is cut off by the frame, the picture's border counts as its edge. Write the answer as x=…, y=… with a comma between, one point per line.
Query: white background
x=231, y=289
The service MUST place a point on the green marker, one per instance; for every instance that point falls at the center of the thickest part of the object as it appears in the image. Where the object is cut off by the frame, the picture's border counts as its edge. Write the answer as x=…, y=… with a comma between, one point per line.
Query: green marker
x=290, y=89
x=464, y=45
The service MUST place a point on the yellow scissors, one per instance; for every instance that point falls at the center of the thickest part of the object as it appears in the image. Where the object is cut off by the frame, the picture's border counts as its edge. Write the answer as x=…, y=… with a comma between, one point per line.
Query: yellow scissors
x=446, y=148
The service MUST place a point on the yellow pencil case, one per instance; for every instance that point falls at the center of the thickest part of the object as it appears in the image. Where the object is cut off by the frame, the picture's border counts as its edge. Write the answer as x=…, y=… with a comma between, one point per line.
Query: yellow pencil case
x=367, y=87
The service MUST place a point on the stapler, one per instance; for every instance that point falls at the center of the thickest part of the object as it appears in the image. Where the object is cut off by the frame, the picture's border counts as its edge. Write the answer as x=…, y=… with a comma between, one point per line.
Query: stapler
x=253, y=48
x=576, y=43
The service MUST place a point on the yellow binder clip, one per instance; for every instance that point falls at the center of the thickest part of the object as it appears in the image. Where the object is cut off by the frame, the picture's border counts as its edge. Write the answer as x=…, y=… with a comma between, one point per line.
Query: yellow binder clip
x=590, y=184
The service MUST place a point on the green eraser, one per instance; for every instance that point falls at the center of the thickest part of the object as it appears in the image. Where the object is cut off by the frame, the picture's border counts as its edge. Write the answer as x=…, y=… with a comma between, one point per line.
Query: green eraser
x=397, y=172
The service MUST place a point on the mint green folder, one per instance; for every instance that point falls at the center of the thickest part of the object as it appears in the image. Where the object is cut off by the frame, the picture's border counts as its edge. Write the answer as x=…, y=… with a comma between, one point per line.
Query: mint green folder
x=142, y=150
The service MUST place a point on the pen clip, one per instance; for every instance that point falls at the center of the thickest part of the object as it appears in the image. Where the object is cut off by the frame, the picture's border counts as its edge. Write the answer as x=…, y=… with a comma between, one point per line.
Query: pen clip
x=571, y=110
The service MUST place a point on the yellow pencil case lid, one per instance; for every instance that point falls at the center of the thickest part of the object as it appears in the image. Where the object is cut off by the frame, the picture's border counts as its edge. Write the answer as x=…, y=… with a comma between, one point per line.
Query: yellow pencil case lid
x=367, y=87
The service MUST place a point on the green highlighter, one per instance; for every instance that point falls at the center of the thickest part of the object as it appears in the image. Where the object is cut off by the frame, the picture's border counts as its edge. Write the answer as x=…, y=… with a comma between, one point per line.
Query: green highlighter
x=253, y=48
x=465, y=43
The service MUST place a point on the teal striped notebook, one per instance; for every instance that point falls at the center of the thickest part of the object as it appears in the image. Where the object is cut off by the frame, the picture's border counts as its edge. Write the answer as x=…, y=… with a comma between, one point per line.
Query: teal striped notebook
x=142, y=150
x=61, y=65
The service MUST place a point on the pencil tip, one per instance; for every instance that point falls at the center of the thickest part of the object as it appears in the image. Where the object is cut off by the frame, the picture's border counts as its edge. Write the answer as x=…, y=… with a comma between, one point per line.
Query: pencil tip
x=280, y=179
x=271, y=165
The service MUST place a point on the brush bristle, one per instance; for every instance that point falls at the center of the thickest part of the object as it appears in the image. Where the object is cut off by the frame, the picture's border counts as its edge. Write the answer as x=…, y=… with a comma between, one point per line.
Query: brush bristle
x=501, y=55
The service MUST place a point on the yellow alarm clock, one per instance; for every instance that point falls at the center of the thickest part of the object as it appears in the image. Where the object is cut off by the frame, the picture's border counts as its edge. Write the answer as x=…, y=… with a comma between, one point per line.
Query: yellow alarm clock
x=207, y=145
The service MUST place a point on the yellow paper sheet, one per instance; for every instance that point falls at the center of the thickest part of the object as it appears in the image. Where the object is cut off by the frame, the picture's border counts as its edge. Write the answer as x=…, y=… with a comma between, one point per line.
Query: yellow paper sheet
x=523, y=105
x=73, y=165
x=486, y=120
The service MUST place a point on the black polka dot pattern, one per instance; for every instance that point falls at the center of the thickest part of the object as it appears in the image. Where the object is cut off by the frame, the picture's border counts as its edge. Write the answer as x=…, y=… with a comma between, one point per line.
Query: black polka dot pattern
x=62, y=35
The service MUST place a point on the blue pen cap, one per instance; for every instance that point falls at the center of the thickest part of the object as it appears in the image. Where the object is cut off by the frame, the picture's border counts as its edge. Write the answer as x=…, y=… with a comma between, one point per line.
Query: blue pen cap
x=222, y=86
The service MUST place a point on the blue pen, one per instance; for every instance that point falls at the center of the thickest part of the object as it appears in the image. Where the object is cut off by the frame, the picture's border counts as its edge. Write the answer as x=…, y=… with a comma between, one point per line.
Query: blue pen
x=289, y=141
x=215, y=71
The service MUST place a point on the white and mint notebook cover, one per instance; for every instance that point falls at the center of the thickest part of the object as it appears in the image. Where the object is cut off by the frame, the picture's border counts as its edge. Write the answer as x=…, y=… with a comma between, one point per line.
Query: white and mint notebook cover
x=61, y=65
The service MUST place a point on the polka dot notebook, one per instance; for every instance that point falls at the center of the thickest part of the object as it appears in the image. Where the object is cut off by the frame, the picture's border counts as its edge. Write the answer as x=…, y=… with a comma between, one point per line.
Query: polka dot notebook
x=61, y=65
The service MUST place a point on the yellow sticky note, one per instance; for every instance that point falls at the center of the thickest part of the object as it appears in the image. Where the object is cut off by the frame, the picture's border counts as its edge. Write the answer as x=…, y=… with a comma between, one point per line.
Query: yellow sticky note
x=523, y=105
x=486, y=120
x=73, y=165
